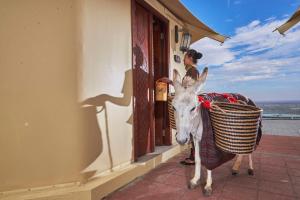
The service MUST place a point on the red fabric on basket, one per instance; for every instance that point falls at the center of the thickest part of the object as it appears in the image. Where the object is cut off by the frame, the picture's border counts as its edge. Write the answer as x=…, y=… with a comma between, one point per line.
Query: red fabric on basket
x=211, y=155
x=205, y=103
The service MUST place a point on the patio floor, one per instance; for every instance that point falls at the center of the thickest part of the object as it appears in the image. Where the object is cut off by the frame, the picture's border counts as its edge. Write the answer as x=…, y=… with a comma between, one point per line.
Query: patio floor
x=277, y=176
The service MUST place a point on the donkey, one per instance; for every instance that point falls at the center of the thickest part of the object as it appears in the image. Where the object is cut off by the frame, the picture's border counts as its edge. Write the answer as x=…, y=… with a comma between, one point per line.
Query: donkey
x=189, y=121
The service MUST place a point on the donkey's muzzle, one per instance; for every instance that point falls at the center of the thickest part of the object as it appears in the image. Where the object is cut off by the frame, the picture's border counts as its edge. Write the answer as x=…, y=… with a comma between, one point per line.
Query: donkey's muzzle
x=181, y=142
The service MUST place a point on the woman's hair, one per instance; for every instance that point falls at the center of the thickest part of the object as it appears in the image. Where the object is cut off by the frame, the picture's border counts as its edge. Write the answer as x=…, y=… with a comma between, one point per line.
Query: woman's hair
x=194, y=54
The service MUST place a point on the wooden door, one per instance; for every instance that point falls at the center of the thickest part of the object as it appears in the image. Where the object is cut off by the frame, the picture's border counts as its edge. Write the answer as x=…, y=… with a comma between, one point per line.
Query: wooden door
x=142, y=81
x=161, y=69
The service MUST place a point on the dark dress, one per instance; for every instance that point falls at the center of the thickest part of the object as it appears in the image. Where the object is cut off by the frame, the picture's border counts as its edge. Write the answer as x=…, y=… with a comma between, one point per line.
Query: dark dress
x=192, y=72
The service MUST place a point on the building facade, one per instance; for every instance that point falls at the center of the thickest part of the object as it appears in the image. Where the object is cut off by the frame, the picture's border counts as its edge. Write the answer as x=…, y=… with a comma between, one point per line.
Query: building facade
x=77, y=80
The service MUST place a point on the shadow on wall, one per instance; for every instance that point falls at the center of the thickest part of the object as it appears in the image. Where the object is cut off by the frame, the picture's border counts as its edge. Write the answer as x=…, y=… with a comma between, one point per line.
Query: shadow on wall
x=93, y=107
x=142, y=104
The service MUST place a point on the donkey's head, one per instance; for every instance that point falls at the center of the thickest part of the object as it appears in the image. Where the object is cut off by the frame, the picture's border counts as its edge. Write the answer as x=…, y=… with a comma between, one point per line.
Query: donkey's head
x=186, y=106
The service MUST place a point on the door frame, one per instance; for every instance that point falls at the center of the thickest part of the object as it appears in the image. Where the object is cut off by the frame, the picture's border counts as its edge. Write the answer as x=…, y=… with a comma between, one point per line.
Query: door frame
x=152, y=12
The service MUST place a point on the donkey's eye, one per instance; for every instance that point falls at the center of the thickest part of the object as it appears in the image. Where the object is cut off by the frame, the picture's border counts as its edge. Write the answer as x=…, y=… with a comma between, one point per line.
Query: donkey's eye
x=193, y=109
x=174, y=108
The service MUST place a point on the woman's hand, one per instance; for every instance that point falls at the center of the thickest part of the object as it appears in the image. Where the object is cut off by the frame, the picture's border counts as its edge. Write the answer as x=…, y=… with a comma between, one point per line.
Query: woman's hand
x=165, y=80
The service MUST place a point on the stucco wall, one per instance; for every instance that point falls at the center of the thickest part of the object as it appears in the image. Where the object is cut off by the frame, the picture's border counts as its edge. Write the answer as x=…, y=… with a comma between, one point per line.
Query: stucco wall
x=49, y=66
x=41, y=140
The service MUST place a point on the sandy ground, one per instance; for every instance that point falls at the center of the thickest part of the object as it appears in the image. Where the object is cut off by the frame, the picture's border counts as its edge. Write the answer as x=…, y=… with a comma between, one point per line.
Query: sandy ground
x=281, y=127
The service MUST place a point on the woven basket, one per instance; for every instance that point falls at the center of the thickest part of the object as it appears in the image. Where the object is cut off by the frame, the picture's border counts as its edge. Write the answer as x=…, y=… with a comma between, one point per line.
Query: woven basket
x=171, y=111
x=235, y=126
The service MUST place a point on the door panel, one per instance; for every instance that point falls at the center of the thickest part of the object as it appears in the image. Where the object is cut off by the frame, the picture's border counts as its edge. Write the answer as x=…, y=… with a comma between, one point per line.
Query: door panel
x=142, y=81
x=161, y=69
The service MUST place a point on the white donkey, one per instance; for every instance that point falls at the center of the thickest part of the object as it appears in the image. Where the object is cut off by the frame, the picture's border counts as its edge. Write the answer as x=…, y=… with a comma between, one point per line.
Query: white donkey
x=189, y=121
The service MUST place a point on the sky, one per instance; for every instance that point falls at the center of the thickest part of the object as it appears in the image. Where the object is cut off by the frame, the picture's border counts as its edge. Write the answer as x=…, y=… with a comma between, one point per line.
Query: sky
x=255, y=61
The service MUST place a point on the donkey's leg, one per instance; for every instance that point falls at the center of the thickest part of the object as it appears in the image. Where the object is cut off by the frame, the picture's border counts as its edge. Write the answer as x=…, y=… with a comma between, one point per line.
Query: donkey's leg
x=195, y=181
x=237, y=164
x=250, y=170
x=208, y=188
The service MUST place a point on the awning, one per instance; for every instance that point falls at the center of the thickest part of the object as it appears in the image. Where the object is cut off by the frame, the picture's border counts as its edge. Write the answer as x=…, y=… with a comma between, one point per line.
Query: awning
x=290, y=23
x=195, y=27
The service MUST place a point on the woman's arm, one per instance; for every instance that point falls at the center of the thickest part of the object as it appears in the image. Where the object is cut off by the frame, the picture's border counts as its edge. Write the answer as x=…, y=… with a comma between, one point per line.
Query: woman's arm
x=165, y=80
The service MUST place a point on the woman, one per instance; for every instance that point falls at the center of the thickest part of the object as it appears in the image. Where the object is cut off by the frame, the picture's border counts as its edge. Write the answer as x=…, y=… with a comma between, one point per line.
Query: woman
x=190, y=61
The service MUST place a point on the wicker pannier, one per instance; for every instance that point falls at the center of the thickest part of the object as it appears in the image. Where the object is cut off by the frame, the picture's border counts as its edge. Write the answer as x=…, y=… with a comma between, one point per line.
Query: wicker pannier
x=235, y=126
x=171, y=111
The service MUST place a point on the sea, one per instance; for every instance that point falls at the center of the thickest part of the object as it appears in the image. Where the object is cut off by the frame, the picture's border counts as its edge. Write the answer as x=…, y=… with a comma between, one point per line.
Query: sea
x=281, y=118
x=283, y=110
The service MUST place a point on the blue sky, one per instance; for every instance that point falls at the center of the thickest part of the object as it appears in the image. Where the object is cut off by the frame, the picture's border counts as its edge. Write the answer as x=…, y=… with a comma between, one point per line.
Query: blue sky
x=255, y=62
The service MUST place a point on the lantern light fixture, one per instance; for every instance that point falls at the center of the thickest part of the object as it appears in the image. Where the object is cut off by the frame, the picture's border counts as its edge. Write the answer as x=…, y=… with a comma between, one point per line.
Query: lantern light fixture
x=185, y=41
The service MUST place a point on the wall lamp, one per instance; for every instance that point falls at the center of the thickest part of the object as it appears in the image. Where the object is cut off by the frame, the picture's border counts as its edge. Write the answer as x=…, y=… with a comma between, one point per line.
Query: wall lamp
x=185, y=40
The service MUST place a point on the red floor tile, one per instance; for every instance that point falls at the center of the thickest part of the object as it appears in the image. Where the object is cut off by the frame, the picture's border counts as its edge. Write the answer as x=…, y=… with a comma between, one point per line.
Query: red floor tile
x=295, y=180
x=273, y=169
x=237, y=193
x=294, y=164
x=271, y=196
x=156, y=177
x=176, y=180
x=243, y=181
x=272, y=161
x=297, y=190
x=294, y=172
x=276, y=177
x=283, y=188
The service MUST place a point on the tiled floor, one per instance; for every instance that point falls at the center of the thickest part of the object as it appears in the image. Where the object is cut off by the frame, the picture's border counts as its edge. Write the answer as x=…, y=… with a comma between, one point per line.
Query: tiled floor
x=277, y=177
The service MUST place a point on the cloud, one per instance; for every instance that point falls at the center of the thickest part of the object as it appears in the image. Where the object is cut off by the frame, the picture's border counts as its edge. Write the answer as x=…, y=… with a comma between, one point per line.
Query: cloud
x=255, y=61
x=271, y=18
x=286, y=15
x=251, y=77
x=214, y=54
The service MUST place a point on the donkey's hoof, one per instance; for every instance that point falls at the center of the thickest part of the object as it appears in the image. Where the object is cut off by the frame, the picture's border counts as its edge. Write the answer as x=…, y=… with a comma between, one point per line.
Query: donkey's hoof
x=207, y=192
x=234, y=172
x=193, y=185
x=250, y=172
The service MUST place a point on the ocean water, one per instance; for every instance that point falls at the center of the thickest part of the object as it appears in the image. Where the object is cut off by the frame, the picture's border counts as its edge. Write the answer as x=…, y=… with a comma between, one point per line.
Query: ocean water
x=281, y=118
x=280, y=110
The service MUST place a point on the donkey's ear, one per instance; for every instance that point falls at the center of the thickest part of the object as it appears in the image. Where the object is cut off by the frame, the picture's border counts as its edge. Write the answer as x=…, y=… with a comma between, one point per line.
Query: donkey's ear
x=203, y=75
x=200, y=81
x=176, y=81
x=176, y=75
